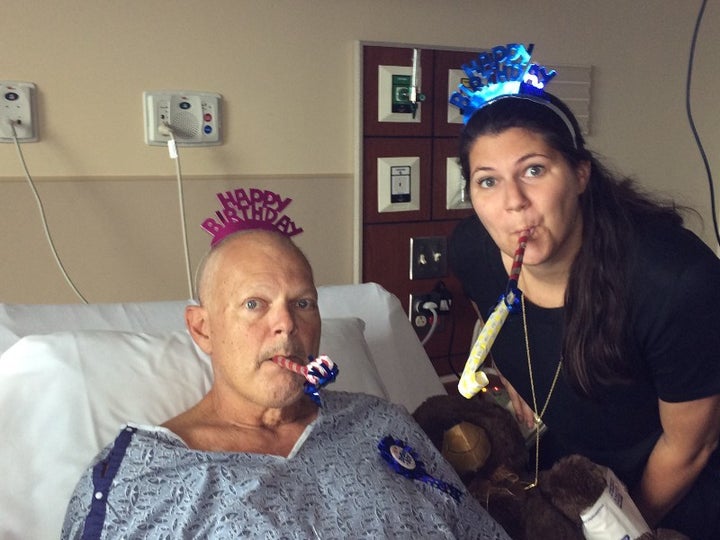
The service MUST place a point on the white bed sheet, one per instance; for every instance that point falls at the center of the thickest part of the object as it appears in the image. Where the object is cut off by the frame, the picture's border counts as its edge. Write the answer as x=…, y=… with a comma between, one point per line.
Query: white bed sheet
x=71, y=374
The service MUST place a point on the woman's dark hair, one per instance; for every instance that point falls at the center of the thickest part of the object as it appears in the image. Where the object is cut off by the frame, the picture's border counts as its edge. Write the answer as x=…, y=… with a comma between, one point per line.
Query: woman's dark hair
x=597, y=305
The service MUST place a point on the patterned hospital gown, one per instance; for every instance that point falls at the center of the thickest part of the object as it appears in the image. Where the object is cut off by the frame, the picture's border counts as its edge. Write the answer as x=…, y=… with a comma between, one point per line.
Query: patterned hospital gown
x=334, y=484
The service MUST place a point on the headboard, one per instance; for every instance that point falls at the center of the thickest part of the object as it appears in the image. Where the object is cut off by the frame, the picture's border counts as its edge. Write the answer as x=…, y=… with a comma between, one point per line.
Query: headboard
x=70, y=375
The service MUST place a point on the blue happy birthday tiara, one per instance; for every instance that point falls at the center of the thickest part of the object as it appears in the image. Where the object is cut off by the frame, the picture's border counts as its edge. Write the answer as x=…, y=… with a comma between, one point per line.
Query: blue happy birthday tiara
x=501, y=72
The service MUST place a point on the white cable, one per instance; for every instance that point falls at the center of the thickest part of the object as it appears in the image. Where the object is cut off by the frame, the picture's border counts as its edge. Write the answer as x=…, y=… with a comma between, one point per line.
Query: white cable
x=431, y=307
x=172, y=147
x=30, y=182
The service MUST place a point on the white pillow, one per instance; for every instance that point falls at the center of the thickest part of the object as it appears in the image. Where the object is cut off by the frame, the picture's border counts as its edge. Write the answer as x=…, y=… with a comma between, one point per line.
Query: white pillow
x=344, y=342
x=63, y=397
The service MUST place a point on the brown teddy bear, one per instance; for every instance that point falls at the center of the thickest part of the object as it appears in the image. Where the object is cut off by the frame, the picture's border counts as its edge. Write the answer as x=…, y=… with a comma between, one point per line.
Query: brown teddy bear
x=483, y=442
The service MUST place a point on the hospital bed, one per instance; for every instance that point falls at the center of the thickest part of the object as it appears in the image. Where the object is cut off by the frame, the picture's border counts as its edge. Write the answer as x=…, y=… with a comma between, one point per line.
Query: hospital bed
x=71, y=375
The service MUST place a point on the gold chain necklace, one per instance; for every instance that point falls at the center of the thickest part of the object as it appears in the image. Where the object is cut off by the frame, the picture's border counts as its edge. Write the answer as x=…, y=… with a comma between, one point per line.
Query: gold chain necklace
x=537, y=417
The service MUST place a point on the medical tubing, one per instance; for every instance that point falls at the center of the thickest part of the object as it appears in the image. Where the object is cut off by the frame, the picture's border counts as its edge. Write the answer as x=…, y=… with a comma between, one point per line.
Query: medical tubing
x=691, y=121
x=167, y=129
x=43, y=217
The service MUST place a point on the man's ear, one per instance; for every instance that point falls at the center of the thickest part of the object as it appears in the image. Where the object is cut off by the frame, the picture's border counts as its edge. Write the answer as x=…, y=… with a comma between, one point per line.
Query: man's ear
x=196, y=320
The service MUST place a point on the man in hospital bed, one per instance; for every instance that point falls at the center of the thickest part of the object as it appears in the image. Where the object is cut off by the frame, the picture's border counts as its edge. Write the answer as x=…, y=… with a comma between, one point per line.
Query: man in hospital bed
x=260, y=456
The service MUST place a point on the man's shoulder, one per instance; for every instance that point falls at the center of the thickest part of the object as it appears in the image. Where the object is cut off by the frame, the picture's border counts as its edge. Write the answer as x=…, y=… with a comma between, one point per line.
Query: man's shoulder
x=356, y=406
x=341, y=399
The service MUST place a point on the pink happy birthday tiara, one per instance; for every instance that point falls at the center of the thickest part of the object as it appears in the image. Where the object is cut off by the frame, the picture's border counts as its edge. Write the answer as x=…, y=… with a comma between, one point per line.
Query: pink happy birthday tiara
x=247, y=210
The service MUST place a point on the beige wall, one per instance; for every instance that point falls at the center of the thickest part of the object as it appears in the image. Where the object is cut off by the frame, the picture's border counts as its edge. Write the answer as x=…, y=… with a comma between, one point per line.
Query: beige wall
x=286, y=69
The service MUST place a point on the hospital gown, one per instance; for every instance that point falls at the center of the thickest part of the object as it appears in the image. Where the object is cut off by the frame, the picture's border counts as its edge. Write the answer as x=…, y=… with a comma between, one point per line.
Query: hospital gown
x=334, y=484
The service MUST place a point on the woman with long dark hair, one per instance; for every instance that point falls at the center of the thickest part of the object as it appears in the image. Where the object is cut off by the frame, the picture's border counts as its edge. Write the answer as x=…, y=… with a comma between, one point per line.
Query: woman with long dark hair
x=615, y=345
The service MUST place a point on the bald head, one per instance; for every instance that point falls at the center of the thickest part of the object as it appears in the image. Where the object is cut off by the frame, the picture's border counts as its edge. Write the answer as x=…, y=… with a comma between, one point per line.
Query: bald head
x=244, y=245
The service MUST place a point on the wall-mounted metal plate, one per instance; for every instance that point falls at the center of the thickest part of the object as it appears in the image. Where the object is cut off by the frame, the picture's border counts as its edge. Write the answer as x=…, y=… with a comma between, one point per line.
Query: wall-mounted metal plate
x=398, y=184
x=394, y=95
x=456, y=196
x=456, y=77
x=428, y=257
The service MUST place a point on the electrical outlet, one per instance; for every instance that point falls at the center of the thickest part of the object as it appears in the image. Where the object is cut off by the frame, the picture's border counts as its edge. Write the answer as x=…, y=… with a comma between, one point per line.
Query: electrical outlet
x=17, y=105
x=422, y=318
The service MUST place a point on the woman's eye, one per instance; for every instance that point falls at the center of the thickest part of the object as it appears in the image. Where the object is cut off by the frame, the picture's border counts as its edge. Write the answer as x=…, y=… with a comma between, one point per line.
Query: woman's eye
x=486, y=182
x=252, y=304
x=534, y=170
